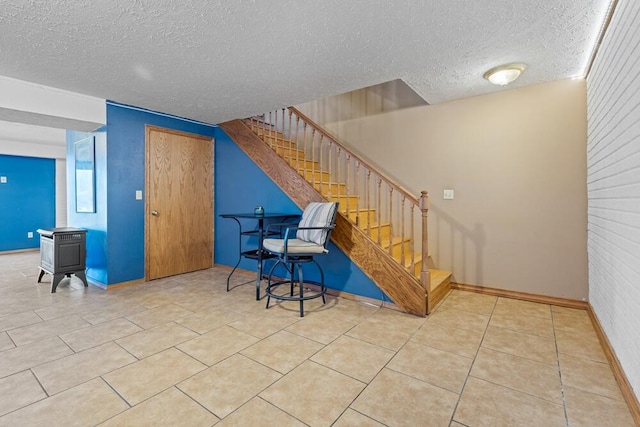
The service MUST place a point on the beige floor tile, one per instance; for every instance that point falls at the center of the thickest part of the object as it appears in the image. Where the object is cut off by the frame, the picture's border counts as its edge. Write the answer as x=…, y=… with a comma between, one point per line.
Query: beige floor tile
x=396, y=399
x=443, y=337
x=226, y=386
x=112, y=311
x=282, y=351
x=148, y=377
x=261, y=326
x=322, y=329
x=19, y=320
x=355, y=358
x=573, y=323
x=456, y=424
x=217, y=345
x=259, y=413
x=151, y=341
x=428, y=364
x=381, y=329
x=85, y=405
x=205, y=321
x=158, y=315
x=569, y=311
x=99, y=334
x=486, y=404
x=532, y=325
x=518, y=373
x=588, y=409
x=469, y=301
x=583, y=345
x=5, y=342
x=460, y=319
x=169, y=408
x=351, y=418
x=345, y=310
x=81, y=367
x=24, y=390
x=50, y=328
x=525, y=308
x=30, y=355
x=590, y=376
x=314, y=394
x=518, y=344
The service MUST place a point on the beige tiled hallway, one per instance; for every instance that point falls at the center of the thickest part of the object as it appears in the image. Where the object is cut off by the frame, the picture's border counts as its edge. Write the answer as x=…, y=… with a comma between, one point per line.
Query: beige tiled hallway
x=183, y=352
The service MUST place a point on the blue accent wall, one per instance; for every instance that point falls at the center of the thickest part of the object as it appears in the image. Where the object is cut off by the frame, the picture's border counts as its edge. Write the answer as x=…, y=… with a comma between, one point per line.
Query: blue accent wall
x=240, y=185
x=95, y=223
x=115, y=240
x=27, y=200
x=126, y=174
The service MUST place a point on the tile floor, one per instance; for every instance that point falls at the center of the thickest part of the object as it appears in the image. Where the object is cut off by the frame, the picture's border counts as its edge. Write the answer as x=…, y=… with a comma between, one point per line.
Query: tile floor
x=183, y=351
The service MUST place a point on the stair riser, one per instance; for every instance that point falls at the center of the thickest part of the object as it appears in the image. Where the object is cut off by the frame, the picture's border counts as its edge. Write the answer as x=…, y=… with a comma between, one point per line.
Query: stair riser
x=302, y=164
x=396, y=252
x=363, y=218
x=261, y=132
x=383, y=231
x=290, y=152
x=279, y=141
x=346, y=202
x=317, y=175
x=336, y=189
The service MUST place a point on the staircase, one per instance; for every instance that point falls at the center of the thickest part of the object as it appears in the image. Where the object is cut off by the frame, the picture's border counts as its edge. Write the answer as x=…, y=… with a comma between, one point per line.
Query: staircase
x=376, y=227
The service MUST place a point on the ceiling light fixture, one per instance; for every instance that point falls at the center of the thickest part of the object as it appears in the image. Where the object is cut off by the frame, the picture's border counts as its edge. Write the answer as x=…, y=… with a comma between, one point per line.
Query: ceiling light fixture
x=504, y=74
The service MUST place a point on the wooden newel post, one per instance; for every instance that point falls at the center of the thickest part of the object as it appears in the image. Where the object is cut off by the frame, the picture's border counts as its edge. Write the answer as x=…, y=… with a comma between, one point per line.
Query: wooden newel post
x=424, y=272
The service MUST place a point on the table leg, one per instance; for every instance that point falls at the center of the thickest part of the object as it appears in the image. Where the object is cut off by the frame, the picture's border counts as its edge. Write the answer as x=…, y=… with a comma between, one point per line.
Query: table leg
x=259, y=277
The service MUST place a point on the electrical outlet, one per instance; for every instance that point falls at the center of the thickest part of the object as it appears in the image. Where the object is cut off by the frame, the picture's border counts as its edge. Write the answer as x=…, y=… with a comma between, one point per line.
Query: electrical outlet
x=138, y=194
x=3, y=179
x=448, y=195
x=30, y=234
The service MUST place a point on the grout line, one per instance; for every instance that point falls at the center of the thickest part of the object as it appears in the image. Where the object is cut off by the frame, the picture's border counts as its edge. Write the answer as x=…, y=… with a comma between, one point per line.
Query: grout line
x=455, y=408
x=564, y=397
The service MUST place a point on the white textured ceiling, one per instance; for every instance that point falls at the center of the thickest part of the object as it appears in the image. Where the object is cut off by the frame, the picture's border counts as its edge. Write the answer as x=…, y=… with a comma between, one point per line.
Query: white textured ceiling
x=222, y=59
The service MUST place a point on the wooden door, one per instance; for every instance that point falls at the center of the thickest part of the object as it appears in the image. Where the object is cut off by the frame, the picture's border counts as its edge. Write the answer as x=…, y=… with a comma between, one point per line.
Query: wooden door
x=179, y=204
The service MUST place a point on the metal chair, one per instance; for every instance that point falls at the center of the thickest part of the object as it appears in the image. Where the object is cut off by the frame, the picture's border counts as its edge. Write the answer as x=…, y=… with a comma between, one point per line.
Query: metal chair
x=310, y=241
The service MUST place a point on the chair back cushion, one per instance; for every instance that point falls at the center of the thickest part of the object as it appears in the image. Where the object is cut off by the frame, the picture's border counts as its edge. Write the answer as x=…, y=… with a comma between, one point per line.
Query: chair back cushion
x=317, y=215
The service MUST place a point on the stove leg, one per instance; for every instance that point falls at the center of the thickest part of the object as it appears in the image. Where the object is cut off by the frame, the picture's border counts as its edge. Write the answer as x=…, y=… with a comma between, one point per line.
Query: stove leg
x=55, y=281
x=80, y=275
x=40, y=275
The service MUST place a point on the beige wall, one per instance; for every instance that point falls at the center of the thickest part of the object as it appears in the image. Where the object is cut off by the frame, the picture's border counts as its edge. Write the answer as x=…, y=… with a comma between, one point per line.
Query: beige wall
x=516, y=160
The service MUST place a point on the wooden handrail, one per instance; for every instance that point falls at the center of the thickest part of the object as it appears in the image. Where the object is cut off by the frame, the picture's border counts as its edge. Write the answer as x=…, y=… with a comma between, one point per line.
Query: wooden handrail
x=366, y=164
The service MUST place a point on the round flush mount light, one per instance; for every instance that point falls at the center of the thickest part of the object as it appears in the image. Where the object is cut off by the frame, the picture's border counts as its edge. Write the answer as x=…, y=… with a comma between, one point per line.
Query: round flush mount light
x=504, y=74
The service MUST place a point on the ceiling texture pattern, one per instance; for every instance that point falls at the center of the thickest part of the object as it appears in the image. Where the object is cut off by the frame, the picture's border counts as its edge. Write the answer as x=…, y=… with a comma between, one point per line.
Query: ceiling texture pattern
x=221, y=59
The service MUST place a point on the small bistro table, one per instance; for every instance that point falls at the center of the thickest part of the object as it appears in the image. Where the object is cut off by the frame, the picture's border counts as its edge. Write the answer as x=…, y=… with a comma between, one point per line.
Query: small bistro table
x=257, y=253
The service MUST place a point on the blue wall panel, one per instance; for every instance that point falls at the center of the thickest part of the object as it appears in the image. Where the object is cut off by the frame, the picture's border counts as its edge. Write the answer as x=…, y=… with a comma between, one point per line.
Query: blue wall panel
x=126, y=170
x=240, y=185
x=95, y=223
x=27, y=200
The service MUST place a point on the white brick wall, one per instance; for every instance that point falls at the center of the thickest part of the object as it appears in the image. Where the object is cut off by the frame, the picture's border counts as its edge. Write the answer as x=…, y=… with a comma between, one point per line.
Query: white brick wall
x=613, y=183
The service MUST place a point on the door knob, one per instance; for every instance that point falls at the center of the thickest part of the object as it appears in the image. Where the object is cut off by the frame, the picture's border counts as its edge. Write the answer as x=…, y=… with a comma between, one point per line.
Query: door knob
x=154, y=213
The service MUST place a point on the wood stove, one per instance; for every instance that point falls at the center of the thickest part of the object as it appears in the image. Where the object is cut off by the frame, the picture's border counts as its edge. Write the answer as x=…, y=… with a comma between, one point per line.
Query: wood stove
x=63, y=253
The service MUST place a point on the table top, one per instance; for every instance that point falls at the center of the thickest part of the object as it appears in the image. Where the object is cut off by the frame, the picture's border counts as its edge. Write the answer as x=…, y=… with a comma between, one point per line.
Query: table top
x=254, y=216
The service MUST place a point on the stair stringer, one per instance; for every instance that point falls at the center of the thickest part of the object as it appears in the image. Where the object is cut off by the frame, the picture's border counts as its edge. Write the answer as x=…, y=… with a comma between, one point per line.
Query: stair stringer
x=404, y=289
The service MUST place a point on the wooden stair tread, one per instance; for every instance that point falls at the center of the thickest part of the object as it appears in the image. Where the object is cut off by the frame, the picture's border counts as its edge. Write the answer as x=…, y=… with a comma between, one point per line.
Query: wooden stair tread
x=439, y=277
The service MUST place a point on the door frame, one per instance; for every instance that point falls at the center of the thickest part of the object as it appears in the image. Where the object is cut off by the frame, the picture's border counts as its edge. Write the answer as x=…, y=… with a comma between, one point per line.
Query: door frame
x=147, y=184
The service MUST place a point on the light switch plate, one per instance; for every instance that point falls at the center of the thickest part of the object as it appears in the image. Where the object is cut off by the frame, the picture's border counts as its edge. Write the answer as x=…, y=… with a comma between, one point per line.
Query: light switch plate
x=3, y=179
x=448, y=194
x=29, y=234
x=138, y=194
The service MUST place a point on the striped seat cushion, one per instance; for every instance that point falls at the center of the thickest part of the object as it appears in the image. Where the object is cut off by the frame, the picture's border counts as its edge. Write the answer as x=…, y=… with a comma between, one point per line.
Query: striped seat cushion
x=294, y=246
x=316, y=215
